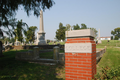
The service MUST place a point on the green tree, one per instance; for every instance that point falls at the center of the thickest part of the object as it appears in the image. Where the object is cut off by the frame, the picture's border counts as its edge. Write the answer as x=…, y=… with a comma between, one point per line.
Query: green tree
x=60, y=25
x=12, y=40
x=83, y=26
x=111, y=37
x=8, y=8
x=60, y=33
x=116, y=33
x=20, y=30
x=68, y=27
x=30, y=34
x=76, y=27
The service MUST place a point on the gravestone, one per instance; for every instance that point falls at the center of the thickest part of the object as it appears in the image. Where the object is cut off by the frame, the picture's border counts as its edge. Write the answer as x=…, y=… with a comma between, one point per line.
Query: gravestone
x=56, y=51
x=99, y=40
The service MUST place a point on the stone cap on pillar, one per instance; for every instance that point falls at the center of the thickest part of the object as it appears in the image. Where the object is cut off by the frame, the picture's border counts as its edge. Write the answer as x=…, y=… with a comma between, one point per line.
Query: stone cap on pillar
x=80, y=33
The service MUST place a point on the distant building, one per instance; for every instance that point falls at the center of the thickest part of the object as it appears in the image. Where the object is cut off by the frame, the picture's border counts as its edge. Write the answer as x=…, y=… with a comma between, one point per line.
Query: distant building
x=104, y=38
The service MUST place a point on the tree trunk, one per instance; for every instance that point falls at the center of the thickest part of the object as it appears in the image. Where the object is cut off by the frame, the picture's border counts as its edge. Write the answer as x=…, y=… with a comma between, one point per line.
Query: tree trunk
x=1, y=54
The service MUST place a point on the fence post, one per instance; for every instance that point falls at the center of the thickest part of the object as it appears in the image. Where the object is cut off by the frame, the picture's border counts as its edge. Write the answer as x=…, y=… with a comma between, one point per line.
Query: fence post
x=80, y=55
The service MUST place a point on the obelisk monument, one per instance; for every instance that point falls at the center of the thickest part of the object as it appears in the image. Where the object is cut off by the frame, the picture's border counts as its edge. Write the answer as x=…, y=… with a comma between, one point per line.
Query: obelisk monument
x=41, y=33
x=99, y=40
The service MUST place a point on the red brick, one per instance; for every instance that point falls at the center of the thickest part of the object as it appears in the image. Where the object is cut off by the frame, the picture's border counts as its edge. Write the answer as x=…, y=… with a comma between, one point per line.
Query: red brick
x=77, y=57
x=81, y=41
x=77, y=74
x=77, y=39
x=88, y=54
x=82, y=65
x=67, y=76
x=68, y=56
x=69, y=62
x=89, y=63
x=77, y=62
x=88, y=41
x=69, y=68
x=66, y=59
x=73, y=41
x=73, y=59
x=77, y=68
x=81, y=54
x=68, y=79
x=68, y=73
x=80, y=77
x=73, y=65
x=74, y=71
x=66, y=53
x=73, y=76
x=87, y=75
x=82, y=72
x=89, y=78
x=67, y=42
x=86, y=57
x=83, y=59
x=86, y=69
x=85, y=38
x=69, y=39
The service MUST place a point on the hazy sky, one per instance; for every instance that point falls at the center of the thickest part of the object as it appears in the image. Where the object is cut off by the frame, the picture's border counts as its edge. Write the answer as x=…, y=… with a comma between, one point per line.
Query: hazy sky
x=99, y=14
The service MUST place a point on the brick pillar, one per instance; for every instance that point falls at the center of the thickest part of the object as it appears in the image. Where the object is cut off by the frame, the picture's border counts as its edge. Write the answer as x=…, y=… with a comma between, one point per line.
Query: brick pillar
x=80, y=55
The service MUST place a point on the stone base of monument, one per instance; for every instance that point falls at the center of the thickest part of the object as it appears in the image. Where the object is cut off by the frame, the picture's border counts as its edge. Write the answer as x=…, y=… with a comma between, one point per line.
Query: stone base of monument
x=42, y=43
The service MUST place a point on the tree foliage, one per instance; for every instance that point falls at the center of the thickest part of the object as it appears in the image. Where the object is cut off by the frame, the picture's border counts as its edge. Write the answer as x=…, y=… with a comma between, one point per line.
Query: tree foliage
x=83, y=26
x=20, y=30
x=116, y=33
x=68, y=27
x=60, y=33
x=8, y=9
x=76, y=27
x=30, y=34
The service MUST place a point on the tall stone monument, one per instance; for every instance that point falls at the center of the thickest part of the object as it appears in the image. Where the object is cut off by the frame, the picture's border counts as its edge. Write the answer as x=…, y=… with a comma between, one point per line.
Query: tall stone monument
x=99, y=40
x=41, y=33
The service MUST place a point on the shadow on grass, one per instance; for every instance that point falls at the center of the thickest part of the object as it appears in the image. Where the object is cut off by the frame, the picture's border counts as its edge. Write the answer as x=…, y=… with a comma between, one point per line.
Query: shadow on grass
x=11, y=69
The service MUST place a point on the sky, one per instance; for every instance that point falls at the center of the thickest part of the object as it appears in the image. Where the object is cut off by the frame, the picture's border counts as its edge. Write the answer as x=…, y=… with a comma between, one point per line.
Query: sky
x=99, y=14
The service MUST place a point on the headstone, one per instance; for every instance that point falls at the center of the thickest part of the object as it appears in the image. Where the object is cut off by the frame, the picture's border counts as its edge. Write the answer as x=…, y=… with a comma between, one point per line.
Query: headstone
x=99, y=40
x=56, y=51
x=41, y=33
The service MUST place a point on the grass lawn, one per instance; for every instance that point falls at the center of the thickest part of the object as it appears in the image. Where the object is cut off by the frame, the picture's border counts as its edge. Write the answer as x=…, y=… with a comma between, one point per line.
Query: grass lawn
x=111, y=57
x=48, y=55
x=11, y=69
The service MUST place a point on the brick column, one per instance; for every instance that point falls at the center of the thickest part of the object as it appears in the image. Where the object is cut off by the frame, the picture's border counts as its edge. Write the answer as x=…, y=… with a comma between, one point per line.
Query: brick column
x=80, y=55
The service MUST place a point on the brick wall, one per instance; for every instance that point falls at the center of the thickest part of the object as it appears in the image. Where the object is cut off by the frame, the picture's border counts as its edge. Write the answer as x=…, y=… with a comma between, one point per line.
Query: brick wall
x=80, y=55
x=80, y=66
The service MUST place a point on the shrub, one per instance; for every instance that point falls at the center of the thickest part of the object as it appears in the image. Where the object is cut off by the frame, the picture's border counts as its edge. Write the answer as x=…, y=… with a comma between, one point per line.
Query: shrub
x=109, y=74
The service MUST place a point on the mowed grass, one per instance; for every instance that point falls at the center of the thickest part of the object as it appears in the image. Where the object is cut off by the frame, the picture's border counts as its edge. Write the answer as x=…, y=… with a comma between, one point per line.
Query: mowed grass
x=48, y=55
x=111, y=57
x=11, y=69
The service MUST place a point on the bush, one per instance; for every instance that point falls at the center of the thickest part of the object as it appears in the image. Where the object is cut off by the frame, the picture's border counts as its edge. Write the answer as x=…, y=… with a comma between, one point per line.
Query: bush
x=109, y=74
